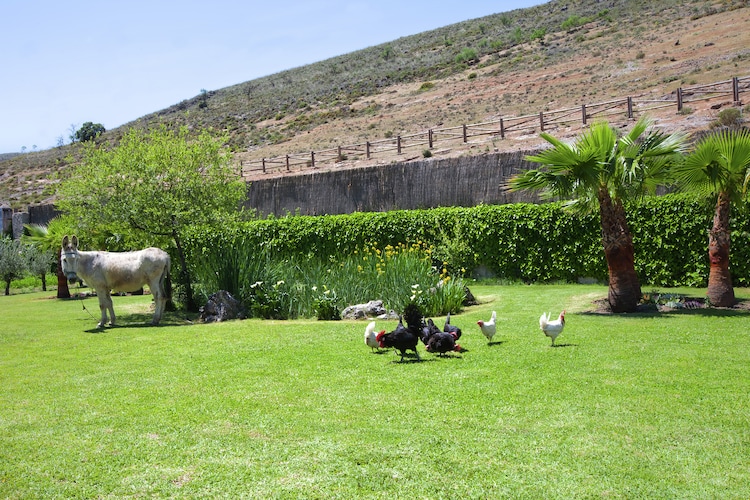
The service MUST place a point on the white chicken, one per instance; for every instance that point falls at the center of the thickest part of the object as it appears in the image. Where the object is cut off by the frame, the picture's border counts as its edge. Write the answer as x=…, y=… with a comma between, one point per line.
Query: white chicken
x=488, y=327
x=552, y=328
x=371, y=336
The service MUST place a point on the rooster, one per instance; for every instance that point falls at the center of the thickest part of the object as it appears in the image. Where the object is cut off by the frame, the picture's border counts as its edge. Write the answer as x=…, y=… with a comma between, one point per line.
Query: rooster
x=488, y=327
x=404, y=338
x=371, y=336
x=451, y=328
x=442, y=342
x=552, y=328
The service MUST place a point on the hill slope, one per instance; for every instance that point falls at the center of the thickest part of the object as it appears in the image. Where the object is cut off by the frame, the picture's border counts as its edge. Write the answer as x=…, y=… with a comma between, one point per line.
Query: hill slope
x=559, y=54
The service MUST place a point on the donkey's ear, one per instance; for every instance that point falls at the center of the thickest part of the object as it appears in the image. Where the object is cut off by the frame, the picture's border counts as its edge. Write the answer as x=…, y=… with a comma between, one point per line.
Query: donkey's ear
x=65, y=241
x=74, y=241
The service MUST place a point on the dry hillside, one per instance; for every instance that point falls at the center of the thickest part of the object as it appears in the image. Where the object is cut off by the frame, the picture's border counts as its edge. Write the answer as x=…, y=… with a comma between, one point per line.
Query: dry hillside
x=558, y=55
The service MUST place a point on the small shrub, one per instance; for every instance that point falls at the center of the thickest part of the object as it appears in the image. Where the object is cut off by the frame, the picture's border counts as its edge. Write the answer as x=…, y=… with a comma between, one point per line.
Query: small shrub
x=427, y=153
x=730, y=117
x=472, y=76
x=426, y=86
x=686, y=110
x=326, y=307
x=467, y=56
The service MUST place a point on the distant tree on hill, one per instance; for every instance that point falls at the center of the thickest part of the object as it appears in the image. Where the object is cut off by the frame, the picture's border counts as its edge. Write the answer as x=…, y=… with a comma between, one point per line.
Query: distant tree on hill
x=89, y=131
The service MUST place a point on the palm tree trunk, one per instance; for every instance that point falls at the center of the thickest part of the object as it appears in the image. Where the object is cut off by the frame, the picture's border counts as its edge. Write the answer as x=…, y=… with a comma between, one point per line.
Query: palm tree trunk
x=624, y=286
x=720, y=292
x=63, y=292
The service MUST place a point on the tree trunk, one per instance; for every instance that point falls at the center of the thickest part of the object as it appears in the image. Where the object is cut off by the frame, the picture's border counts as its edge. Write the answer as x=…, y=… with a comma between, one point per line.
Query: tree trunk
x=624, y=286
x=63, y=292
x=720, y=292
x=185, y=275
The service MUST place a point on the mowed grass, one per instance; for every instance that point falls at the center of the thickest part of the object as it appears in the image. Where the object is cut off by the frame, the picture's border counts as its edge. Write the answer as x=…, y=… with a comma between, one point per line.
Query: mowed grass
x=629, y=406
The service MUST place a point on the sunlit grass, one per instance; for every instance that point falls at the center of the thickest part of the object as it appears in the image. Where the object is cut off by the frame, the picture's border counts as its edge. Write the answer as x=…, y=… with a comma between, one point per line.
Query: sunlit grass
x=630, y=406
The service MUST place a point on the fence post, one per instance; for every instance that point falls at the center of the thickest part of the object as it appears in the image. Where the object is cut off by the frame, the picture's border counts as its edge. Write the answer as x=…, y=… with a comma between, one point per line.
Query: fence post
x=630, y=108
x=339, y=157
x=583, y=113
x=679, y=99
x=502, y=129
x=398, y=144
x=367, y=149
x=312, y=159
x=465, y=138
x=736, y=90
x=287, y=163
x=264, y=165
x=541, y=121
x=429, y=138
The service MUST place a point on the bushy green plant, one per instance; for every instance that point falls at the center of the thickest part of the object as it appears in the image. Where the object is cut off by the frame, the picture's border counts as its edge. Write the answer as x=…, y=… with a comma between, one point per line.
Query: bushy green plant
x=729, y=117
x=327, y=307
x=467, y=56
x=270, y=300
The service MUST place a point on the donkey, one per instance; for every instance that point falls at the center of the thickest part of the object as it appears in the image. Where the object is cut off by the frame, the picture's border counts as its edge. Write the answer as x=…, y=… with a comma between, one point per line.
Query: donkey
x=117, y=271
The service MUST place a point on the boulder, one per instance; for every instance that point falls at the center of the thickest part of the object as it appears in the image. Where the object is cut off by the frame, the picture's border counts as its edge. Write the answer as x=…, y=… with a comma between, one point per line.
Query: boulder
x=372, y=309
x=221, y=306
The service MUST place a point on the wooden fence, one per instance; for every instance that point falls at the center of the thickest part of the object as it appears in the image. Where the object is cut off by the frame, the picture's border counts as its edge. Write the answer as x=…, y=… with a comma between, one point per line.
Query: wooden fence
x=626, y=107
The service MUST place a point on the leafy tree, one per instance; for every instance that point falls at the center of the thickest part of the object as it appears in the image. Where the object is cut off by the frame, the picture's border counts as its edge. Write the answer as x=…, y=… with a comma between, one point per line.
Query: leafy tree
x=39, y=263
x=600, y=170
x=719, y=166
x=13, y=262
x=89, y=131
x=151, y=187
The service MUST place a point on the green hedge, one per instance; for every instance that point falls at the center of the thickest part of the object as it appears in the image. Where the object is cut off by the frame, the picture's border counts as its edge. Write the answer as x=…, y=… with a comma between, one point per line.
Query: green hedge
x=532, y=243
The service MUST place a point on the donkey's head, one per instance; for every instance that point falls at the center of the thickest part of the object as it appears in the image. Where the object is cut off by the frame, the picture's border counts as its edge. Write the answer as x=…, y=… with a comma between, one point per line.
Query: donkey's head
x=69, y=258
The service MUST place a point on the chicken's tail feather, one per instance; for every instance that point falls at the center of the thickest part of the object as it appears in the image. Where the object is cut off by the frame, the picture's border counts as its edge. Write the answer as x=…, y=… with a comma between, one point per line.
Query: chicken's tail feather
x=543, y=319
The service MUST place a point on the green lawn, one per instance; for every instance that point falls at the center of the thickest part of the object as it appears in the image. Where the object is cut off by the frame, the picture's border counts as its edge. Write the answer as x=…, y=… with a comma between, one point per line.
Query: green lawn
x=637, y=406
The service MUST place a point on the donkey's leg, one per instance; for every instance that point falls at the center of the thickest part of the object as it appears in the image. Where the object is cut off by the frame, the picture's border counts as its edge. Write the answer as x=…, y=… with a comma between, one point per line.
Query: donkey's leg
x=157, y=290
x=111, y=309
x=105, y=302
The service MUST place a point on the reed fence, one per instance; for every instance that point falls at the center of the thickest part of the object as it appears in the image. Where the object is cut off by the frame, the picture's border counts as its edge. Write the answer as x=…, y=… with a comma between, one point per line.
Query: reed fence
x=626, y=107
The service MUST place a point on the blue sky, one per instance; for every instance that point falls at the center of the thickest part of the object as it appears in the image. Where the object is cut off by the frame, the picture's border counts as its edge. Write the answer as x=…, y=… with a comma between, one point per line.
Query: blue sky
x=66, y=63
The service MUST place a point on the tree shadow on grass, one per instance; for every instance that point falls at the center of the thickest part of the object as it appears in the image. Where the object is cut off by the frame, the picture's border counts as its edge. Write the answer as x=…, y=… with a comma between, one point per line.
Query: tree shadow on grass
x=708, y=312
x=143, y=320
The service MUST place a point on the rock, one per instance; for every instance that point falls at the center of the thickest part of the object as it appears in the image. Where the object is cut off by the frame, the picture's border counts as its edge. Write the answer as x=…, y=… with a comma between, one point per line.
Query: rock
x=221, y=306
x=469, y=299
x=372, y=309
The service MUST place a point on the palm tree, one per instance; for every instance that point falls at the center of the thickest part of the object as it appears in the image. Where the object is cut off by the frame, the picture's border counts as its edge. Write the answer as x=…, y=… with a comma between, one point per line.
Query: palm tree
x=719, y=166
x=47, y=238
x=601, y=170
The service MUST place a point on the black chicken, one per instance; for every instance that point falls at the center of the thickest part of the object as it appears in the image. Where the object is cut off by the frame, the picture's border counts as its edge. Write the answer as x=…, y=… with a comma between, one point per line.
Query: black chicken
x=404, y=338
x=442, y=342
x=448, y=328
x=428, y=330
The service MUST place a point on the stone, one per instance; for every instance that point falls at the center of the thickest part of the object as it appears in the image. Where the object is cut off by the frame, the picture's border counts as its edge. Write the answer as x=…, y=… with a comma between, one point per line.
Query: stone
x=372, y=309
x=221, y=306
